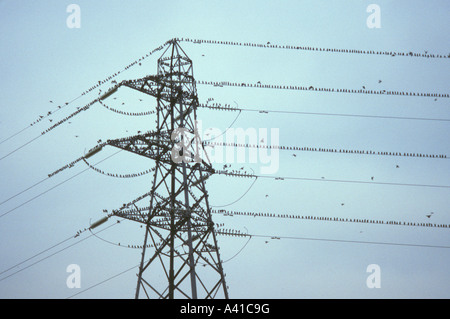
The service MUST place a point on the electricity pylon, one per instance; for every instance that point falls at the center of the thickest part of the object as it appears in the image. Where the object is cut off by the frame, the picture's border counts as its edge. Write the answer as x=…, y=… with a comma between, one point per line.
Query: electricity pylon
x=178, y=220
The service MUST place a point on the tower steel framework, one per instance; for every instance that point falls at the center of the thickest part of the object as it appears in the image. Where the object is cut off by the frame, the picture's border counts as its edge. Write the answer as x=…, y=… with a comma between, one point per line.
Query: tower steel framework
x=178, y=219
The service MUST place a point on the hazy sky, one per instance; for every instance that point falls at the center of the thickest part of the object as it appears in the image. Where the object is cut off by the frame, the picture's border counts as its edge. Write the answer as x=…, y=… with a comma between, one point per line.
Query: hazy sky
x=43, y=60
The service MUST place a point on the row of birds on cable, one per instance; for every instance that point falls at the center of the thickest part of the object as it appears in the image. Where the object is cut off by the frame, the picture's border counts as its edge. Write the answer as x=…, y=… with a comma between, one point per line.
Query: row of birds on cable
x=336, y=219
x=425, y=54
x=322, y=89
x=138, y=61
x=127, y=113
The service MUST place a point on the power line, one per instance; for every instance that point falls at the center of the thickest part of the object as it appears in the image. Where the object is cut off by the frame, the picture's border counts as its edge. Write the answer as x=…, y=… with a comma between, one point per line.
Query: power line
x=84, y=108
x=269, y=45
x=42, y=117
x=34, y=256
x=51, y=255
x=235, y=201
x=330, y=150
x=103, y=281
x=48, y=190
x=98, y=84
x=323, y=89
x=222, y=172
x=330, y=240
x=8, y=199
x=229, y=108
x=328, y=219
x=125, y=113
x=225, y=233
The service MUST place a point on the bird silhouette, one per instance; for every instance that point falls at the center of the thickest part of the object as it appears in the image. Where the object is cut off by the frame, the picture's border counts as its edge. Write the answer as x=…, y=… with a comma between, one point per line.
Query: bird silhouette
x=396, y=166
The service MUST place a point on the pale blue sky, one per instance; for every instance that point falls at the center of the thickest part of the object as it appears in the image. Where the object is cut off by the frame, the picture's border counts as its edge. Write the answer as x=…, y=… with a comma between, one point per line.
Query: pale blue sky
x=41, y=59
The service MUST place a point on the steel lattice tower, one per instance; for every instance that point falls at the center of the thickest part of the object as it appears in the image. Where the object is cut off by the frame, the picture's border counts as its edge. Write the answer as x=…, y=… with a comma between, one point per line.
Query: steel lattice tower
x=178, y=220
